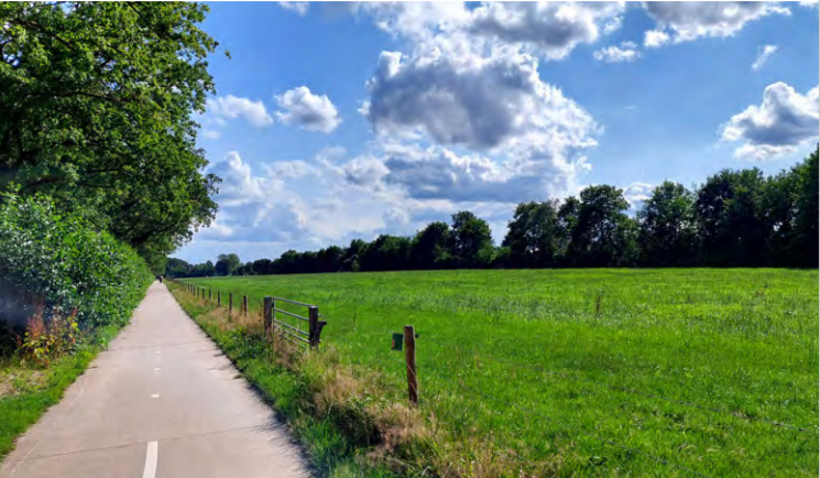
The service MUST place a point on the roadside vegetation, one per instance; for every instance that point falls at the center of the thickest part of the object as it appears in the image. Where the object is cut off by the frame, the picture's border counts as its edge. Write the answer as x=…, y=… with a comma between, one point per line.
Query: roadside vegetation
x=100, y=179
x=66, y=290
x=583, y=372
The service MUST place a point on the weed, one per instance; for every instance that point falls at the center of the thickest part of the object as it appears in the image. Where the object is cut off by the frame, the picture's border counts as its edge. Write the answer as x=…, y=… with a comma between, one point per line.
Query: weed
x=48, y=339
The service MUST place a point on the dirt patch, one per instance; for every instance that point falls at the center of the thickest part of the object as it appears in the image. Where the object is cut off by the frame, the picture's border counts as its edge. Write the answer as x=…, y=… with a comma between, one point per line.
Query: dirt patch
x=18, y=380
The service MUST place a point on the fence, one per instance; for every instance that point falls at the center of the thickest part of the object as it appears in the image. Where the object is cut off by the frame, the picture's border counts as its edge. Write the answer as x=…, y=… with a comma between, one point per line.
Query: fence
x=311, y=337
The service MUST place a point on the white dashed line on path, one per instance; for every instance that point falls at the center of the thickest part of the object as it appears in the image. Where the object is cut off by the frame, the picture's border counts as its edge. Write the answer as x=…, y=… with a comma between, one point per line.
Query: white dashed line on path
x=151, y=452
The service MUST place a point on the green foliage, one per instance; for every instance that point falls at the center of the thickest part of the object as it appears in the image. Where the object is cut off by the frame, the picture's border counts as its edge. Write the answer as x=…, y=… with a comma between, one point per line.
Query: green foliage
x=227, y=264
x=46, y=341
x=97, y=104
x=668, y=226
x=603, y=235
x=472, y=240
x=61, y=262
x=431, y=247
x=533, y=234
x=732, y=227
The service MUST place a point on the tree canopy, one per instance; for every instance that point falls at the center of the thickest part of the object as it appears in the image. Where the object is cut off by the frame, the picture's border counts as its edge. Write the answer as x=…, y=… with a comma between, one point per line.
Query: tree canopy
x=98, y=102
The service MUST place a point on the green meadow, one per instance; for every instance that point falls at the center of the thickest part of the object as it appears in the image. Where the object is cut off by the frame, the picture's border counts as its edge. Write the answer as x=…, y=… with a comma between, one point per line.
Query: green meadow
x=590, y=372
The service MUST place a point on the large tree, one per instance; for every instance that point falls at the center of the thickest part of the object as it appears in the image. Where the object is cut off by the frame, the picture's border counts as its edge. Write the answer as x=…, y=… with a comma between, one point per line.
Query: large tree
x=431, y=247
x=472, y=240
x=667, y=226
x=533, y=234
x=602, y=235
x=804, y=244
x=733, y=226
x=97, y=102
x=227, y=264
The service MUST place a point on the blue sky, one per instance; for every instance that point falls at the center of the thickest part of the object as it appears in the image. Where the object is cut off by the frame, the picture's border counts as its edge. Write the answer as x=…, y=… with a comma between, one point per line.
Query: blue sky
x=335, y=121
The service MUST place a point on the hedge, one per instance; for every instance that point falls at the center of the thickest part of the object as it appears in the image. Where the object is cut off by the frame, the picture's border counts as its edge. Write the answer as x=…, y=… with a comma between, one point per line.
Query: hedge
x=61, y=262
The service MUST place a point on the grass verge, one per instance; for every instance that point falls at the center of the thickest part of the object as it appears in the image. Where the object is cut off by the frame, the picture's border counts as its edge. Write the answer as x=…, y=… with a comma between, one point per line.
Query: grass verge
x=339, y=412
x=27, y=400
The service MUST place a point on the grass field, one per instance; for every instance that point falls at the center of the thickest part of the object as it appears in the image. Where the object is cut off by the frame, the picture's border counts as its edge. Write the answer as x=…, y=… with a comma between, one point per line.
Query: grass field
x=564, y=370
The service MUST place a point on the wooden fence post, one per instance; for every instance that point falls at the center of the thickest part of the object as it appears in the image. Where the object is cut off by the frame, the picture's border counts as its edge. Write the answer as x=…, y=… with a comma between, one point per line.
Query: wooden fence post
x=410, y=358
x=218, y=299
x=273, y=322
x=268, y=316
x=313, y=326
x=245, y=304
x=230, y=303
x=209, y=294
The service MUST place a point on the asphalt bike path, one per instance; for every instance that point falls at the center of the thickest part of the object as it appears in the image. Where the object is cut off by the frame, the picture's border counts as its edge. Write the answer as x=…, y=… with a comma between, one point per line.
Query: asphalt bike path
x=161, y=402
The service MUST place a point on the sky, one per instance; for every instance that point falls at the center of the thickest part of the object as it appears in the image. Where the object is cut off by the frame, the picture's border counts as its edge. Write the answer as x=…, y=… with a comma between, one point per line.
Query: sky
x=336, y=121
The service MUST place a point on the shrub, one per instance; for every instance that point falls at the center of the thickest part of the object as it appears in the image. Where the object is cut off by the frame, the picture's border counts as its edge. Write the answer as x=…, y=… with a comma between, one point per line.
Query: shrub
x=61, y=262
x=44, y=342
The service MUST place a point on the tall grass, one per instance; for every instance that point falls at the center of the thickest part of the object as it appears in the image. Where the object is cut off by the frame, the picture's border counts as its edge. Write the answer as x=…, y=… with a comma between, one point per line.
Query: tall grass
x=539, y=366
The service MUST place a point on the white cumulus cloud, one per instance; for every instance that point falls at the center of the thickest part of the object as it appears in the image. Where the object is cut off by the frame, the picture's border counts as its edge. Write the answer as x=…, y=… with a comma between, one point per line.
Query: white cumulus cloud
x=637, y=193
x=784, y=121
x=691, y=20
x=655, y=38
x=617, y=54
x=231, y=107
x=551, y=28
x=303, y=108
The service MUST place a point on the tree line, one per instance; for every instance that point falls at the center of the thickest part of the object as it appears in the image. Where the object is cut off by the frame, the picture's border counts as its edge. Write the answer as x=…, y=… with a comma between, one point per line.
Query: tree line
x=737, y=218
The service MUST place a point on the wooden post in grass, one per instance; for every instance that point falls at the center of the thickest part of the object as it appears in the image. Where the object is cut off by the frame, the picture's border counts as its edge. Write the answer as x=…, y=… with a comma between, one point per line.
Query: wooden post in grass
x=313, y=326
x=245, y=304
x=268, y=315
x=209, y=294
x=218, y=299
x=230, y=304
x=410, y=358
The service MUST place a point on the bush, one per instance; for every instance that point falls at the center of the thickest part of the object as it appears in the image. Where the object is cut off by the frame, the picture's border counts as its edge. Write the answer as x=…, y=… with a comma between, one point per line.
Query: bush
x=60, y=262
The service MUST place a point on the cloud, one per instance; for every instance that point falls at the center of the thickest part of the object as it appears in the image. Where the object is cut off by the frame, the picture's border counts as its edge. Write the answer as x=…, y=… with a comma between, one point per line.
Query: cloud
x=230, y=107
x=617, y=54
x=784, y=121
x=254, y=208
x=553, y=29
x=211, y=134
x=365, y=171
x=763, y=55
x=548, y=29
x=637, y=193
x=303, y=108
x=691, y=20
x=238, y=185
x=415, y=20
x=299, y=7
x=467, y=100
x=655, y=38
